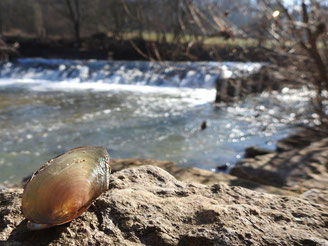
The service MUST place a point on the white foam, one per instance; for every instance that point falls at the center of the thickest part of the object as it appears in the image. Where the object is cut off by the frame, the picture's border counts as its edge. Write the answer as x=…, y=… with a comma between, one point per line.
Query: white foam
x=191, y=95
x=175, y=74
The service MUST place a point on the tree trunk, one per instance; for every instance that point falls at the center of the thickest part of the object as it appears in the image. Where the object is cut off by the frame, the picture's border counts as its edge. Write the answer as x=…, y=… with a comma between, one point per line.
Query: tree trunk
x=75, y=17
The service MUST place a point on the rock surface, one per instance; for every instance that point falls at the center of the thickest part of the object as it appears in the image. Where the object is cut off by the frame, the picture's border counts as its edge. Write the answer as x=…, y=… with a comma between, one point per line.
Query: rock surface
x=269, y=77
x=251, y=152
x=197, y=175
x=148, y=206
x=298, y=169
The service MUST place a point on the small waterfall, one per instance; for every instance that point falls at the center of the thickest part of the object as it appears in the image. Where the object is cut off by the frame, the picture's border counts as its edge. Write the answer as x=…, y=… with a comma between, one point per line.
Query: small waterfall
x=169, y=74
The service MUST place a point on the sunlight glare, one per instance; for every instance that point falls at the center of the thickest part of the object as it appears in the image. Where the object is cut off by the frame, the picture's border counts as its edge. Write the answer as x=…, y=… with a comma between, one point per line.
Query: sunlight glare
x=276, y=13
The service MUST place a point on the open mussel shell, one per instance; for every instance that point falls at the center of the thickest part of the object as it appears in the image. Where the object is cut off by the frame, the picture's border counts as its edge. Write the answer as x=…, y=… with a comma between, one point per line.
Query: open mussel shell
x=64, y=187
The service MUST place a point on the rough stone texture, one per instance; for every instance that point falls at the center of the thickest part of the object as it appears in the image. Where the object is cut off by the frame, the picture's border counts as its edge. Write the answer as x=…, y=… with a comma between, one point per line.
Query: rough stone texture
x=197, y=175
x=148, y=206
x=298, y=169
x=316, y=196
x=120, y=164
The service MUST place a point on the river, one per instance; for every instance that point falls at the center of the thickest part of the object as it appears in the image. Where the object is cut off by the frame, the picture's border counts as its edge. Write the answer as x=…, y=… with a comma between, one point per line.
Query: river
x=135, y=110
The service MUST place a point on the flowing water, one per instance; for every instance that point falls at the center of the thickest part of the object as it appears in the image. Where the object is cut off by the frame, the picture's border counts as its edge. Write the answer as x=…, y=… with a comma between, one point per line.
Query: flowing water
x=134, y=109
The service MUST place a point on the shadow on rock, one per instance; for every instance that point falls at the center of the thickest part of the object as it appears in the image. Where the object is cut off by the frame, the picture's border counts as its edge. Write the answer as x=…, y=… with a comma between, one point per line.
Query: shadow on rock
x=43, y=237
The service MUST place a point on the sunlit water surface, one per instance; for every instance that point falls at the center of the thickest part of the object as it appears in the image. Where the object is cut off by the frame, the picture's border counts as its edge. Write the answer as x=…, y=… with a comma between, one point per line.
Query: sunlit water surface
x=135, y=109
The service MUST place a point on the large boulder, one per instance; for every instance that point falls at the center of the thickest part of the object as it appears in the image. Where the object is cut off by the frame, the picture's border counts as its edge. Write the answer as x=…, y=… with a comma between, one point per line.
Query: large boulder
x=148, y=206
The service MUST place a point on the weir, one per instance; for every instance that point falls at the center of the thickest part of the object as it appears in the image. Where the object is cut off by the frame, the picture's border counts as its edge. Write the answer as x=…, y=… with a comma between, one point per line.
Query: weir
x=168, y=74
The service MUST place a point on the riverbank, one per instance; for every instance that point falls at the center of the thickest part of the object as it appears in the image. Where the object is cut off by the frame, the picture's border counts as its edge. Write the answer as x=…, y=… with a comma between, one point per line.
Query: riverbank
x=299, y=164
x=273, y=198
x=102, y=47
x=298, y=167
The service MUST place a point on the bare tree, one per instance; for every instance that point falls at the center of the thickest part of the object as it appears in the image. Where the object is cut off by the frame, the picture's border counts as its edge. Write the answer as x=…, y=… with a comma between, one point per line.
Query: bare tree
x=302, y=33
x=74, y=15
x=70, y=10
x=1, y=18
x=38, y=20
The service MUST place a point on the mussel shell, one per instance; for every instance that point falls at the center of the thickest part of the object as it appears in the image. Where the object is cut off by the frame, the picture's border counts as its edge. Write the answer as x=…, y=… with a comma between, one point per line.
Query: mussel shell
x=66, y=186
